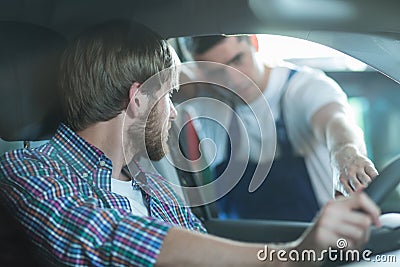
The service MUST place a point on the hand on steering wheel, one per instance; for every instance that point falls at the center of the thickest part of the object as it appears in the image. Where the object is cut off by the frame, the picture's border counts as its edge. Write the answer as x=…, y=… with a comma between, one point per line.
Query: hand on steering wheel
x=352, y=169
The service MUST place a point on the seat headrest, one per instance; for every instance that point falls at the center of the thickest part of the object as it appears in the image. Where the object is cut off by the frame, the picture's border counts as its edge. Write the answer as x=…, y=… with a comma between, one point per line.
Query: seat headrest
x=29, y=56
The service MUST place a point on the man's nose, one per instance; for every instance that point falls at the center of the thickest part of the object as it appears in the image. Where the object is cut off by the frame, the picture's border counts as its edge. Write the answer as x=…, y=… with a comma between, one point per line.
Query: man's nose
x=235, y=76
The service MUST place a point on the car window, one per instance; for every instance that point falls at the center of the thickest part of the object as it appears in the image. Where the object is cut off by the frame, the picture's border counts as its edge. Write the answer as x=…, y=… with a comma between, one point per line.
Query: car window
x=371, y=95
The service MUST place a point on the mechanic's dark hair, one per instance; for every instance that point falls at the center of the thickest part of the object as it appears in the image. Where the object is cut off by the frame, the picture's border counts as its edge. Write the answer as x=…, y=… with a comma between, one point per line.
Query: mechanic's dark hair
x=101, y=64
x=200, y=44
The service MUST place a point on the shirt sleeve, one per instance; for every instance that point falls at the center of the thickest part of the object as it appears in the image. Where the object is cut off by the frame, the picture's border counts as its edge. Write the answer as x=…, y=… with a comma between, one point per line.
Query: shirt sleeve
x=164, y=200
x=312, y=89
x=74, y=228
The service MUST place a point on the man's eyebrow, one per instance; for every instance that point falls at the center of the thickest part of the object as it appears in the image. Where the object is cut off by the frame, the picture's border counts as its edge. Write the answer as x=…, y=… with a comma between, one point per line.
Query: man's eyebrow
x=235, y=58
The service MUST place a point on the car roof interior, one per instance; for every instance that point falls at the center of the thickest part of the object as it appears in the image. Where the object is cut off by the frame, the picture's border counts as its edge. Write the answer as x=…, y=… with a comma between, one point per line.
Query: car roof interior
x=340, y=24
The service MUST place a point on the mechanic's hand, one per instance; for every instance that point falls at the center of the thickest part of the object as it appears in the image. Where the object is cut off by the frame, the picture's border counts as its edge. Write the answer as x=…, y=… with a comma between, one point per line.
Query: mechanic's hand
x=344, y=218
x=353, y=170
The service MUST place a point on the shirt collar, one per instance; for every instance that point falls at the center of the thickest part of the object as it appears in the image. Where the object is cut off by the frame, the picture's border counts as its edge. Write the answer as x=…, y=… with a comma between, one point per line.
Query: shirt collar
x=81, y=155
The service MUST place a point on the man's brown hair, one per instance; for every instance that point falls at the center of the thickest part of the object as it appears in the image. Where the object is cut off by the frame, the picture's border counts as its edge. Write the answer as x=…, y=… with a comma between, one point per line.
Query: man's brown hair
x=99, y=67
x=200, y=44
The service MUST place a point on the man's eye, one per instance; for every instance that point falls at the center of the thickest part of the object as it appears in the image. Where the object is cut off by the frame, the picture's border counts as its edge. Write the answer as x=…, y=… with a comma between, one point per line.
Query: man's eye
x=237, y=59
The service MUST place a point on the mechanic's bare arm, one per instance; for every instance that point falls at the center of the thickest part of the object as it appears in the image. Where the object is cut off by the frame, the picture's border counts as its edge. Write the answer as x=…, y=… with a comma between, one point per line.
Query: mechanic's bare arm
x=345, y=142
x=338, y=219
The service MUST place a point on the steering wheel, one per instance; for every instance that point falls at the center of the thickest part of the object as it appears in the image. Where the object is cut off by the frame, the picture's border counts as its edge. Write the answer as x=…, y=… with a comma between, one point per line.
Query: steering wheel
x=382, y=239
x=385, y=182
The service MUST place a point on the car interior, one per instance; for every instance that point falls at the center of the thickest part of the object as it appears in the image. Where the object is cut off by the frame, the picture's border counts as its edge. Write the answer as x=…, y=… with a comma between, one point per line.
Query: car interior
x=34, y=32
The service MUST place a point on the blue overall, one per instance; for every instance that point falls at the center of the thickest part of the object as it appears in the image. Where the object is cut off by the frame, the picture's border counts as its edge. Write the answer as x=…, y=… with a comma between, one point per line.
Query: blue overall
x=286, y=193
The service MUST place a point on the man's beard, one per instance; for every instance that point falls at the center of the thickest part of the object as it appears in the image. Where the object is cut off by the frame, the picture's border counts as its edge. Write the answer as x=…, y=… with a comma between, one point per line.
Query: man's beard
x=156, y=136
x=148, y=138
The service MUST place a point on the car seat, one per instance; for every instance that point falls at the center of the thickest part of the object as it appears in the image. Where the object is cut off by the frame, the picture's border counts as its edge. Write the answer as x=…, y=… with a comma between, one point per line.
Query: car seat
x=29, y=112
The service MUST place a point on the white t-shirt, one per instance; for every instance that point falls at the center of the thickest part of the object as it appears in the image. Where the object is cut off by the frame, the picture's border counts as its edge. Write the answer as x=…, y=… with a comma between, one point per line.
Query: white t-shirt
x=124, y=188
x=308, y=91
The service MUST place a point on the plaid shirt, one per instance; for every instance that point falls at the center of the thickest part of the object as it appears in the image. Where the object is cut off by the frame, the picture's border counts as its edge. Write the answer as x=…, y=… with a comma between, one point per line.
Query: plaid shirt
x=61, y=193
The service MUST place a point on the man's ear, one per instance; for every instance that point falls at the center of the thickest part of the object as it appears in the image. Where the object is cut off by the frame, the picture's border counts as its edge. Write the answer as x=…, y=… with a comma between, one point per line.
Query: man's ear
x=135, y=101
x=254, y=41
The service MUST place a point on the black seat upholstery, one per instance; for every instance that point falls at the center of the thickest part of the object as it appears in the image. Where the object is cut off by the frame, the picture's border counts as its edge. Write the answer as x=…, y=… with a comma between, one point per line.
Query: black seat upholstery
x=30, y=108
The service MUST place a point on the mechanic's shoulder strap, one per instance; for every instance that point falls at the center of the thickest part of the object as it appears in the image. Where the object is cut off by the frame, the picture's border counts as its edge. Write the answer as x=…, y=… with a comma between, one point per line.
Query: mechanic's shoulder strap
x=290, y=75
x=292, y=72
x=280, y=124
